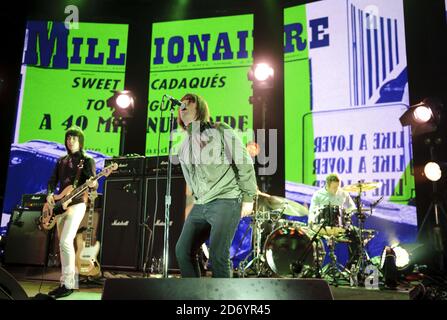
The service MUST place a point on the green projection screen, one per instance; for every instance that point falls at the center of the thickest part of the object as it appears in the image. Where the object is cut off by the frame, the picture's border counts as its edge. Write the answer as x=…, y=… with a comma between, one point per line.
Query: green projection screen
x=67, y=76
x=210, y=57
x=345, y=88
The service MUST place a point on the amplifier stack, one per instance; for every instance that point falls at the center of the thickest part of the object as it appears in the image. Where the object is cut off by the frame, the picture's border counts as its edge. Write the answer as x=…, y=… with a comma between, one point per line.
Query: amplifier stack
x=133, y=219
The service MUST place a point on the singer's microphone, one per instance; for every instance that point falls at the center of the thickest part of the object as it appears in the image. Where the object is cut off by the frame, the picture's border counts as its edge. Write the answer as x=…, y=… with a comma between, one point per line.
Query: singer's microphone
x=176, y=102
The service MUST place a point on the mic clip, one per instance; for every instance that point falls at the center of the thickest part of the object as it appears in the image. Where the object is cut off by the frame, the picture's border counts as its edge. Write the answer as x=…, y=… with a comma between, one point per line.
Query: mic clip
x=176, y=102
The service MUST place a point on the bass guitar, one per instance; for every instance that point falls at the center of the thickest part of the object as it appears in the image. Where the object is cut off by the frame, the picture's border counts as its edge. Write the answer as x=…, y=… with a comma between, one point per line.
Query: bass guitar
x=86, y=254
x=47, y=219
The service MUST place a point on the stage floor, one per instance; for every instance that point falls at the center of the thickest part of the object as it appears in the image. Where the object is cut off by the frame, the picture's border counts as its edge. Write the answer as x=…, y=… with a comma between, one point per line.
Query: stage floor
x=37, y=280
x=32, y=288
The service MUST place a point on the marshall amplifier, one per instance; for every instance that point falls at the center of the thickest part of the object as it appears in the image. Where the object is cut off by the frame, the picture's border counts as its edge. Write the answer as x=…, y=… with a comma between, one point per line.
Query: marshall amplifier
x=151, y=166
x=34, y=201
x=154, y=215
x=122, y=233
x=25, y=243
x=127, y=166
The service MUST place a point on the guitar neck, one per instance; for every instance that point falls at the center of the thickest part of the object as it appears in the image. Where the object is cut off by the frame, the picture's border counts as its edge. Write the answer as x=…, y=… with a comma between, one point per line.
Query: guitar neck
x=79, y=190
x=89, y=233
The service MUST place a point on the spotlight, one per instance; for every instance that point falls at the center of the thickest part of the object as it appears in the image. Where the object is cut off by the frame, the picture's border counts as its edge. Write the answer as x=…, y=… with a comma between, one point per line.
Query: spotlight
x=423, y=117
x=400, y=254
x=123, y=101
x=262, y=76
x=263, y=71
x=402, y=262
x=402, y=257
x=432, y=171
x=422, y=114
x=123, y=104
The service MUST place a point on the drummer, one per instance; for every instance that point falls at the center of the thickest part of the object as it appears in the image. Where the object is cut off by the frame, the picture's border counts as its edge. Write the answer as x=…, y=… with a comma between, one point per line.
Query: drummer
x=333, y=195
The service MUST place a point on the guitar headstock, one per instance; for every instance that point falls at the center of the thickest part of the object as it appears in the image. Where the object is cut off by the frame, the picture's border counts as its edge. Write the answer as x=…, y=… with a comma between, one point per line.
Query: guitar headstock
x=110, y=168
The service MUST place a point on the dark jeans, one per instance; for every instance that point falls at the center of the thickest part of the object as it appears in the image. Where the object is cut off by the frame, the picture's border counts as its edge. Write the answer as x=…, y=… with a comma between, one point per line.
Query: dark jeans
x=216, y=220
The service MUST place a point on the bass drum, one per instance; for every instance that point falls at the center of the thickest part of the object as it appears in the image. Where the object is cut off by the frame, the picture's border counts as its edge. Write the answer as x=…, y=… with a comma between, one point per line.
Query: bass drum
x=287, y=245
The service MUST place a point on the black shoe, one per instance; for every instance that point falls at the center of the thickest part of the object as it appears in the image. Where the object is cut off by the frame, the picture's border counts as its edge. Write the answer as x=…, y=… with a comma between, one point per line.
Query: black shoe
x=60, y=292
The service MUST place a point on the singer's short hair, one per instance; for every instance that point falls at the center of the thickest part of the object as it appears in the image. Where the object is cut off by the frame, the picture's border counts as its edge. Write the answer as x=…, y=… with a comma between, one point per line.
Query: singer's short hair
x=332, y=178
x=203, y=113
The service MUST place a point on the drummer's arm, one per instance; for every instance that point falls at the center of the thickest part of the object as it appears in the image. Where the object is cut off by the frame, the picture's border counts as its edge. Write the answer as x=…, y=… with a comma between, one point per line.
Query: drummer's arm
x=350, y=203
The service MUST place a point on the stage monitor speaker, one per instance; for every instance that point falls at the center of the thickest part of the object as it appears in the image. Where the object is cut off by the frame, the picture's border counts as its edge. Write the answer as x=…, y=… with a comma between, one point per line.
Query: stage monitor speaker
x=216, y=289
x=25, y=243
x=176, y=217
x=10, y=289
x=121, y=230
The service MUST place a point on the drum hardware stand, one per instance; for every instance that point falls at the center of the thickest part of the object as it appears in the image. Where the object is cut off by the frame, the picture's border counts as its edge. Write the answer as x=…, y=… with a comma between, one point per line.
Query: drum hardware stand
x=242, y=265
x=256, y=262
x=363, y=261
x=334, y=269
x=297, y=266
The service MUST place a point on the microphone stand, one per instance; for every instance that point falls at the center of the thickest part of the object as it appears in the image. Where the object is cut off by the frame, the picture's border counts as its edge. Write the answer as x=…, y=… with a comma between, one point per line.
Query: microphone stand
x=148, y=245
x=168, y=197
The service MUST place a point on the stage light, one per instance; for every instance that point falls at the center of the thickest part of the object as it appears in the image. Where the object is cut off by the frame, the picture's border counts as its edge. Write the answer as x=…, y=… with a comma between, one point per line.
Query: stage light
x=400, y=254
x=402, y=257
x=123, y=104
x=124, y=101
x=401, y=261
x=422, y=114
x=263, y=71
x=388, y=267
x=423, y=117
x=394, y=260
x=432, y=171
x=262, y=76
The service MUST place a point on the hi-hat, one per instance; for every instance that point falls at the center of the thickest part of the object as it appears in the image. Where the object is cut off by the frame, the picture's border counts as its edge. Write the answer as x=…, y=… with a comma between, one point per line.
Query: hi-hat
x=362, y=186
x=286, y=206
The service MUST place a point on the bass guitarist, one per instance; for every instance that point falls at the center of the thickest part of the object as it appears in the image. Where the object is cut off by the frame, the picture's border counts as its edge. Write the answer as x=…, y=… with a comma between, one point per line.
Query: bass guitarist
x=74, y=169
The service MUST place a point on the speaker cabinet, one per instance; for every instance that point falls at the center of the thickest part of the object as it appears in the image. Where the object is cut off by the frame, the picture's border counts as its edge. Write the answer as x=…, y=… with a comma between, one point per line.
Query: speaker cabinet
x=121, y=231
x=25, y=243
x=154, y=214
x=216, y=289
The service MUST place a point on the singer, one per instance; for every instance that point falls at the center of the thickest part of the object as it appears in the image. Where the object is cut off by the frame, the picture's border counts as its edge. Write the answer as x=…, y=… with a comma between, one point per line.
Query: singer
x=332, y=196
x=220, y=174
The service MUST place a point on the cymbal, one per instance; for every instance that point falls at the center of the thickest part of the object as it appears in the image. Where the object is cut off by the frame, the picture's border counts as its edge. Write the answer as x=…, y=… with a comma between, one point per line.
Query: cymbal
x=288, y=207
x=362, y=186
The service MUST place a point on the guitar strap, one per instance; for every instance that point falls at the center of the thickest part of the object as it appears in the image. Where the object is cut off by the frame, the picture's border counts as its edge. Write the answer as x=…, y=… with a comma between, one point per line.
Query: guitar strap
x=78, y=173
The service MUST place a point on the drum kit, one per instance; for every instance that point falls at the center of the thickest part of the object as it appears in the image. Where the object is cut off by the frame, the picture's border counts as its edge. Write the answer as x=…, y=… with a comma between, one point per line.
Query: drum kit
x=293, y=249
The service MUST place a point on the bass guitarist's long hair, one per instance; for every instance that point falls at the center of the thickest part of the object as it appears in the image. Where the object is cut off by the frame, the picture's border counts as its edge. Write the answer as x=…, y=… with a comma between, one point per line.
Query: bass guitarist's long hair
x=76, y=132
